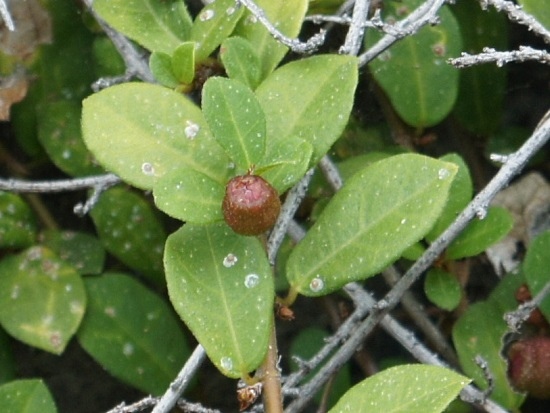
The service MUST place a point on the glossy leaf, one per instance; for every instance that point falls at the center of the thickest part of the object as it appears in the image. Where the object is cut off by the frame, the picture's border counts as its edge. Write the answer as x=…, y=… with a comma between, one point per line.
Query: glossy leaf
x=482, y=88
x=404, y=389
x=442, y=289
x=141, y=132
x=413, y=73
x=26, y=396
x=379, y=212
x=160, y=64
x=183, y=62
x=535, y=267
x=190, y=196
x=132, y=333
x=213, y=25
x=220, y=284
x=42, y=299
x=240, y=61
x=17, y=222
x=479, y=332
x=310, y=99
x=481, y=234
x=129, y=229
x=286, y=16
x=159, y=26
x=83, y=251
x=539, y=10
x=460, y=195
x=236, y=120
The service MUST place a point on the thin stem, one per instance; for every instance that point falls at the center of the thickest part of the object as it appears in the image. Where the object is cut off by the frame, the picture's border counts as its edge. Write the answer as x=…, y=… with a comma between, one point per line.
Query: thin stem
x=356, y=30
x=271, y=377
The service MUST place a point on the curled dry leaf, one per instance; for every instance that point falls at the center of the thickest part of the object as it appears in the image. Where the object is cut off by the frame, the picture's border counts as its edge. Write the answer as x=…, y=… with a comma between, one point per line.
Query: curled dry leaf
x=13, y=89
x=528, y=200
x=33, y=27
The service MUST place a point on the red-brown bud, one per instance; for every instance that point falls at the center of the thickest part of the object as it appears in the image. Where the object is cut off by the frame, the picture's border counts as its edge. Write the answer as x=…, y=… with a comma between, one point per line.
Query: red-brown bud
x=529, y=366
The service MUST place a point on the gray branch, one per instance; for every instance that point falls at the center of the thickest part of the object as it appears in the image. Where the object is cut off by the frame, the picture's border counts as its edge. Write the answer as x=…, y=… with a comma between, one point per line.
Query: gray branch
x=356, y=31
x=490, y=55
x=6, y=16
x=62, y=185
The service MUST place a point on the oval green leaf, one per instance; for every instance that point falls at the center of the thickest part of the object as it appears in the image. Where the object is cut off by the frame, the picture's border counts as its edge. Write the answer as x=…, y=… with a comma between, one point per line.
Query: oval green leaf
x=17, y=222
x=220, y=284
x=190, y=196
x=404, y=389
x=129, y=229
x=141, y=131
x=414, y=73
x=310, y=99
x=535, y=267
x=213, y=25
x=379, y=213
x=159, y=26
x=240, y=61
x=26, y=396
x=132, y=333
x=480, y=234
x=82, y=250
x=286, y=16
x=161, y=67
x=236, y=120
x=183, y=62
x=42, y=299
x=442, y=289
x=479, y=332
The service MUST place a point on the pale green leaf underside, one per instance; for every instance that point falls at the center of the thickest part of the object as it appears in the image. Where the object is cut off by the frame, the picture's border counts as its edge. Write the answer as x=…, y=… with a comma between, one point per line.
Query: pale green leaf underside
x=159, y=26
x=310, y=99
x=381, y=211
x=141, y=132
x=26, y=396
x=404, y=389
x=220, y=284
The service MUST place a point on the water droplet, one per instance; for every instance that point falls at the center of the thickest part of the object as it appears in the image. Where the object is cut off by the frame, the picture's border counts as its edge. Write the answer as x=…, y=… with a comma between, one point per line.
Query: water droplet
x=250, y=20
x=230, y=11
x=15, y=292
x=191, y=129
x=147, y=169
x=404, y=220
x=316, y=285
x=226, y=363
x=206, y=15
x=496, y=157
x=230, y=260
x=128, y=349
x=110, y=311
x=443, y=173
x=251, y=280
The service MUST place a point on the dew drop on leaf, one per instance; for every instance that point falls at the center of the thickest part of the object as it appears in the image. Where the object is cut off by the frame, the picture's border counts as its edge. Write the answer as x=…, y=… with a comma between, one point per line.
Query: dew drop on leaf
x=230, y=260
x=15, y=292
x=251, y=280
x=316, y=285
x=443, y=173
x=147, y=169
x=226, y=363
x=206, y=15
x=230, y=10
x=191, y=129
x=128, y=349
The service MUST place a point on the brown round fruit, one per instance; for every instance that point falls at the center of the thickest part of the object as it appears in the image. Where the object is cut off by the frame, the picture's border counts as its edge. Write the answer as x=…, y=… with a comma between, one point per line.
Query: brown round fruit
x=251, y=205
x=529, y=366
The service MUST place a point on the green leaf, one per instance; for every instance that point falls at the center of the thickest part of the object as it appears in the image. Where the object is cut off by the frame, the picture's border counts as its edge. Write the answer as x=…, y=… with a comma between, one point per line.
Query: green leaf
x=213, y=25
x=479, y=332
x=535, y=267
x=240, y=61
x=220, y=284
x=161, y=66
x=442, y=289
x=460, y=195
x=129, y=229
x=286, y=16
x=190, y=196
x=310, y=99
x=421, y=86
x=404, y=389
x=17, y=222
x=132, y=333
x=236, y=120
x=42, y=299
x=107, y=59
x=7, y=360
x=482, y=88
x=159, y=26
x=183, y=62
x=26, y=396
x=539, y=10
x=379, y=213
x=82, y=250
x=481, y=234
x=142, y=131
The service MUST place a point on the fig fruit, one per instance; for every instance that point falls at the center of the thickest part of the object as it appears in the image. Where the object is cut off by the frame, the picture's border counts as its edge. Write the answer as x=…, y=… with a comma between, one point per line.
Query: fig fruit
x=251, y=205
x=529, y=366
